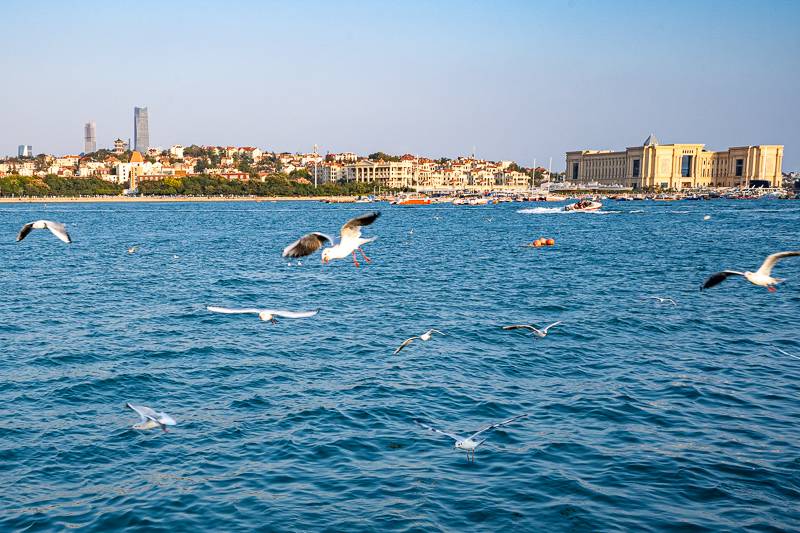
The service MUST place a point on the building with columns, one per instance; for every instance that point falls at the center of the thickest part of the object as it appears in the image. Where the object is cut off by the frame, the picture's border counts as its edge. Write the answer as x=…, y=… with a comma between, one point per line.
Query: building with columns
x=676, y=166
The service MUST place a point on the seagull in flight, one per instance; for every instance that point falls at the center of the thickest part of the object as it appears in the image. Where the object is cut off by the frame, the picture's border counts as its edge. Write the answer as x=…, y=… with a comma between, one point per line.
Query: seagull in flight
x=760, y=277
x=436, y=218
x=349, y=242
x=424, y=337
x=539, y=333
x=151, y=419
x=264, y=314
x=56, y=228
x=784, y=353
x=488, y=219
x=131, y=250
x=468, y=444
x=660, y=300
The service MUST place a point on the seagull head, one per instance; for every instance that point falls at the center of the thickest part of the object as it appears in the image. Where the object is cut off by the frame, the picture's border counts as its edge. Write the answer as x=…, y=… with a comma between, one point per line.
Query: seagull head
x=326, y=255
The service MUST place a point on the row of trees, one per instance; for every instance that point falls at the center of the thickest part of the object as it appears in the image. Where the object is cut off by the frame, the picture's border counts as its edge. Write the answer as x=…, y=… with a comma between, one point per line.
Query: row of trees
x=52, y=185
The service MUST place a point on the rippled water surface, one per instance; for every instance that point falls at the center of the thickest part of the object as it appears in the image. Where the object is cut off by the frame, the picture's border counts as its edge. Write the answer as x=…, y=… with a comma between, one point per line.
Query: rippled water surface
x=642, y=416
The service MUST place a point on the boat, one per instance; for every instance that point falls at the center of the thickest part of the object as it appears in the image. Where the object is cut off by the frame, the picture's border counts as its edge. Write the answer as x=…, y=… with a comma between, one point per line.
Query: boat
x=412, y=200
x=583, y=206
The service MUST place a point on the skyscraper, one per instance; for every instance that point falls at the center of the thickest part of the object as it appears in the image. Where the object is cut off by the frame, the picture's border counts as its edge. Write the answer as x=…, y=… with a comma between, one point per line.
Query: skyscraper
x=25, y=151
x=141, y=130
x=89, y=138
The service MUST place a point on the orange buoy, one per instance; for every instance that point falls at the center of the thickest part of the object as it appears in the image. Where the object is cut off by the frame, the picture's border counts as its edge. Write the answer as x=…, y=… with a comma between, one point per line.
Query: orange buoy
x=537, y=244
x=550, y=242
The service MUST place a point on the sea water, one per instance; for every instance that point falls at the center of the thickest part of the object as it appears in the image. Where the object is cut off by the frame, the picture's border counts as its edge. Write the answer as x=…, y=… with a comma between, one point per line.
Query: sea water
x=641, y=416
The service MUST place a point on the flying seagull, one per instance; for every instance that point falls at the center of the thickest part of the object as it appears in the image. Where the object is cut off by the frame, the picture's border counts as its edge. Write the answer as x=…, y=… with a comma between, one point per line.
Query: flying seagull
x=151, y=419
x=131, y=250
x=57, y=229
x=349, y=242
x=468, y=444
x=424, y=337
x=264, y=314
x=539, y=333
x=488, y=219
x=784, y=353
x=760, y=277
x=660, y=300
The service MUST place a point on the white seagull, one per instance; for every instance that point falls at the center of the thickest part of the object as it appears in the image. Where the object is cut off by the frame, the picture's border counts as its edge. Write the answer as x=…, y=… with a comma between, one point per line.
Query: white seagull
x=760, y=277
x=660, y=300
x=131, y=250
x=349, y=242
x=539, y=333
x=468, y=444
x=488, y=219
x=784, y=353
x=151, y=419
x=264, y=314
x=424, y=337
x=55, y=227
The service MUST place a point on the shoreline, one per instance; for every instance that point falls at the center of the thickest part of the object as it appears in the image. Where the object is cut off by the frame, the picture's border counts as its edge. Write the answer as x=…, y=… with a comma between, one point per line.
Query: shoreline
x=147, y=199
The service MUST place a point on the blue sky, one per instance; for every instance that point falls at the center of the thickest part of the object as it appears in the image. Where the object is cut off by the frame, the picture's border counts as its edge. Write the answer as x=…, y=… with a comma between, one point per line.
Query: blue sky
x=515, y=80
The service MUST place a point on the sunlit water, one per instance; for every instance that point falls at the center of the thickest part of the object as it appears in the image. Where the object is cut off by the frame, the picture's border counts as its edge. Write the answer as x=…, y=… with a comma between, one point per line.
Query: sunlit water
x=642, y=416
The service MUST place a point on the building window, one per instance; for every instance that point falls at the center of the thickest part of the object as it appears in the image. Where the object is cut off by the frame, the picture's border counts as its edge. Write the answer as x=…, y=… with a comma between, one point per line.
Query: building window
x=635, y=168
x=574, y=171
x=739, y=166
x=686, y=166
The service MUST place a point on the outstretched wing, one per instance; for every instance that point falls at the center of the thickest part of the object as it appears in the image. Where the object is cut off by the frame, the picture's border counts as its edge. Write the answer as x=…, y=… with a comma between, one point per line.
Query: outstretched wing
x=719, y=277
x=352, y=229
x=164, y=418
x=435, y=331
x=550, y=326
x=292, y=314
x=497, y=425
x=770, y=261
x=784, y=353
x=27, y=228
x=231, y=311
x=143, y=412
x=58, y=230
x=406, y=343
x=426, y=426
x=521, y=326
x=306, y=245
x=671, y=301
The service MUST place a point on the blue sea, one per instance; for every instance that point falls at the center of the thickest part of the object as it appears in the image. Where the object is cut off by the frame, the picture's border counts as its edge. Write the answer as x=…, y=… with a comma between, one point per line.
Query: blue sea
x=641, y=416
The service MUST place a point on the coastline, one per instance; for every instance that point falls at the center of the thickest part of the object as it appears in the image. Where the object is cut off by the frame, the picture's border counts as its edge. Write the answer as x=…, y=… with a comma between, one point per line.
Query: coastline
x=115, y=199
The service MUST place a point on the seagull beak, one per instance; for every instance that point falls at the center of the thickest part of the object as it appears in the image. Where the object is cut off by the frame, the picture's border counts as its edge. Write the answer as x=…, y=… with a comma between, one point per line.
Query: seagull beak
x=326, y=260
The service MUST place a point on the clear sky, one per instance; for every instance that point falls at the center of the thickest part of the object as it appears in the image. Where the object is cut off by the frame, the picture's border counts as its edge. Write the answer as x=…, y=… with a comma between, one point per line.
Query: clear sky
x=515, y=80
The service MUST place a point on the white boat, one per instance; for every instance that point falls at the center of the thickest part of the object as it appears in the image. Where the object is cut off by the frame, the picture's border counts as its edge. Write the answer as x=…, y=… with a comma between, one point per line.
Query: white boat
x=583, y=206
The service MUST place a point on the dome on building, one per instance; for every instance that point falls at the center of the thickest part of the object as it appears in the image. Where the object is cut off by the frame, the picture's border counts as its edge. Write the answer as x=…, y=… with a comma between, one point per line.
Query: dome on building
x=651, y=141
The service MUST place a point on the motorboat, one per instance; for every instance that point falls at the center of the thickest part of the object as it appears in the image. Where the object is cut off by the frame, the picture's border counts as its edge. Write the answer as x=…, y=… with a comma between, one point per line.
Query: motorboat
x=583, y=206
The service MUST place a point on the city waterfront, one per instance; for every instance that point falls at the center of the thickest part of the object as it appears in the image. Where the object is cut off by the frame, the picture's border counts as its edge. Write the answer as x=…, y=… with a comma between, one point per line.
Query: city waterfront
x=641, y=415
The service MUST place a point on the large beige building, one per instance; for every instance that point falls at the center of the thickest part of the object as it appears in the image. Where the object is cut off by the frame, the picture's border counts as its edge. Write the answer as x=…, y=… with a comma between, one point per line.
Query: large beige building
x=676, y=166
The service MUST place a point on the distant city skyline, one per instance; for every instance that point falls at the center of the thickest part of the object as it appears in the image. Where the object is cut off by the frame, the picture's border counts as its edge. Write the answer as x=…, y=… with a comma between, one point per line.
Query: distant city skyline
x=516, y=80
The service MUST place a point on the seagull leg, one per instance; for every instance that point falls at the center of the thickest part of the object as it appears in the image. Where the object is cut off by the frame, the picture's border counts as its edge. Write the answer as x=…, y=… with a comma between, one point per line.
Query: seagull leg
x=362, y=253
x=164, y=428
x=770, y=288
x=354, y=258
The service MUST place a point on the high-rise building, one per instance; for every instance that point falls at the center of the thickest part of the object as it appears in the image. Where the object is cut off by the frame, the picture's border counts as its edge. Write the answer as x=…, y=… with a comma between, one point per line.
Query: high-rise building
x=89, y=138
x=25, y=151
x=141, y=130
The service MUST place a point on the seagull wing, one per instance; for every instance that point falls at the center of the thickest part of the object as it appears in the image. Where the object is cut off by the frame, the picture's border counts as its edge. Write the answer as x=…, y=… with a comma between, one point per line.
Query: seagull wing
x=352, y=229
x=669, y=300
x=142, y=411
x=784, y=353
x=770, y=261
x=406, y=343
x=292, y=314
x=306, y=245
x=521, y=326
x=27, y=228
x=719, y=277
x=231, y=311
x=435, y=331
x=58, y=230
x=550, y=326
x=426, y=426
x=496, y=425
x=164, y=418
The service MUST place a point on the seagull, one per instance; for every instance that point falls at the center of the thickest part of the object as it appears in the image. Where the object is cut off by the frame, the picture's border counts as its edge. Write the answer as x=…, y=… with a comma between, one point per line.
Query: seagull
x=174, y=256
x=488, y=219
x=539, y=333
x=784, y=353
x=436, y=218
x=759, y=277
x=349, y=242
x=468, y=444
x=151, y=419
x=660, y=300
x=411, y=232
x=424, y=337
x=264, y=314
x=57, y=229
x=130, y=250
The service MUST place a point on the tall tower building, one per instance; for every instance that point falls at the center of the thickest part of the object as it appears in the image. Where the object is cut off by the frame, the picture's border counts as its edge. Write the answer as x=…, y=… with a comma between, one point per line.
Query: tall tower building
x=89, y=138
x=25, y=151
x=141, y=130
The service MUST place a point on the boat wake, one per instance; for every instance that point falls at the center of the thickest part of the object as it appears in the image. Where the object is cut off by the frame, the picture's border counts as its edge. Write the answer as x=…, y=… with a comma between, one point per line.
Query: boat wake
x=543, y=210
